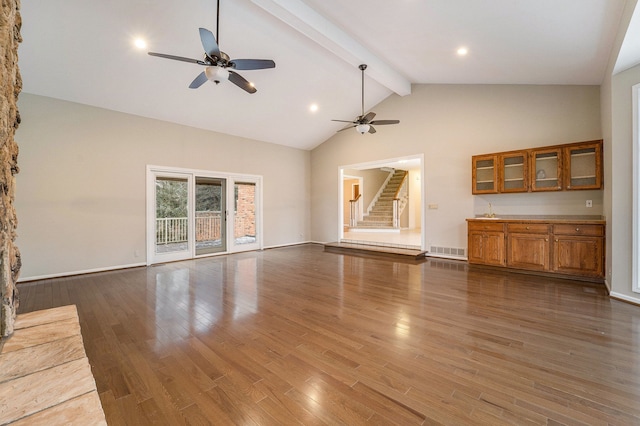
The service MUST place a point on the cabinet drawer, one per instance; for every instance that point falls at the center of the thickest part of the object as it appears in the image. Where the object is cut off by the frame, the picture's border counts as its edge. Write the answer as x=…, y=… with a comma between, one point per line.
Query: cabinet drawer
x=486, y=226
x=528, y=228
x=568, y=229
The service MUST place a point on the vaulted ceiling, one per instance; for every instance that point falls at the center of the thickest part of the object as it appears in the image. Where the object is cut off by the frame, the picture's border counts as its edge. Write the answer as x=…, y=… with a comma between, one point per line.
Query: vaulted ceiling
x=83, y=51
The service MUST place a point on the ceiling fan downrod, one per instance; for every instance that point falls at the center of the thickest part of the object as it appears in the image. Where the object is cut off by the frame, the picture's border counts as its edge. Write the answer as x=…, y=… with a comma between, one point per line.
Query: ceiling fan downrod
x=218, y=23
x=362, y=68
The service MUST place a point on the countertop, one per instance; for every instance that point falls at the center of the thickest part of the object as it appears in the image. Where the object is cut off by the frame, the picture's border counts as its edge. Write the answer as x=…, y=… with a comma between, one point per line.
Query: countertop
x=588, y=219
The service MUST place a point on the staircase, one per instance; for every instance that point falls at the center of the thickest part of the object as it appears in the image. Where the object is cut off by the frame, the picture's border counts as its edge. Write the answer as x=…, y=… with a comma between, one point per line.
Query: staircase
x=381, y=214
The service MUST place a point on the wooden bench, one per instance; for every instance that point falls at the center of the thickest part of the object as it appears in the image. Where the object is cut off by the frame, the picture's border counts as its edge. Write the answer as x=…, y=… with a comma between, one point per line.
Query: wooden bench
x=45, y=376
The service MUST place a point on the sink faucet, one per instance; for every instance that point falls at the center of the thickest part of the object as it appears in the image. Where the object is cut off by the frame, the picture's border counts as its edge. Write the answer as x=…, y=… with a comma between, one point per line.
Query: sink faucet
x=491, y=213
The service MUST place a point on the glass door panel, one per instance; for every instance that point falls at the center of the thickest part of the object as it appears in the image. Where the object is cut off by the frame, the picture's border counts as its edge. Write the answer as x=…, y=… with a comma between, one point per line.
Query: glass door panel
x=547, y=170
x=514, y=172
x=210, y=220
x=171, y=218
x=584, y=166
x=244, y=213
x=484, y=174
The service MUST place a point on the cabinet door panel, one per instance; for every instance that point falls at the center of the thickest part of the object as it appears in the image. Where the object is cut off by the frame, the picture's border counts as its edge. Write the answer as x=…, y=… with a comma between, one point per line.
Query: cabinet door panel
x=528, y=251
x=579, y=256
x=546, y=169
x=494, y=248
x=514, y=172
x=584, y=166
x=484, y=174
x=475, y=247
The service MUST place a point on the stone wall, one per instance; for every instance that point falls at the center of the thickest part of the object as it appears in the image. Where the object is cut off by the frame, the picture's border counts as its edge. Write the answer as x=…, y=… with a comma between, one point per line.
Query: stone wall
x=10, y=86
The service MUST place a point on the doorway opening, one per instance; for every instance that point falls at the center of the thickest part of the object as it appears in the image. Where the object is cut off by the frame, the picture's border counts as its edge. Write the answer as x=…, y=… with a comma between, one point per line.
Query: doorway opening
x=387, y=209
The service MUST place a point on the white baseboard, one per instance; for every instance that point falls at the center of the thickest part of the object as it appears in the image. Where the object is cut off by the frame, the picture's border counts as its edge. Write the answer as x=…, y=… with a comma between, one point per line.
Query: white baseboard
x=625, y=298
x=72, y=273
x=290, y=244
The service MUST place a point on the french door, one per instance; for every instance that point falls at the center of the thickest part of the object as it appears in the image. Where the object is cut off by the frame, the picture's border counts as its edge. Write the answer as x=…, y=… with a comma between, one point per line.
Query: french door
x=195, y=213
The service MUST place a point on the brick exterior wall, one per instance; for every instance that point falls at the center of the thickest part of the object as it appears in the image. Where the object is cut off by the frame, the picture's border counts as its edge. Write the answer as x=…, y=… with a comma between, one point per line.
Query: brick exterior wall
x=10, y=86
x=245, y=223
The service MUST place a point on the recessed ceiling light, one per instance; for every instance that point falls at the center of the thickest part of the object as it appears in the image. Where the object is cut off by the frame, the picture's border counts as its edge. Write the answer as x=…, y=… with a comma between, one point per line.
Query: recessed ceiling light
x=313, y=107
x=462, y=51
x=140, y=43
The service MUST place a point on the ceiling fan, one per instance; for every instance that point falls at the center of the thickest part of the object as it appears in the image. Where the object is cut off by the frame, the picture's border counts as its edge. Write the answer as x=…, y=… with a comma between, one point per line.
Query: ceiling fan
x=363, y=123
x=219, y=66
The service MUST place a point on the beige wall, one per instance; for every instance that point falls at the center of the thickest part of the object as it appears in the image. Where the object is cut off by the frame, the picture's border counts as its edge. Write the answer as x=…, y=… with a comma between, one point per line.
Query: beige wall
x=449, y=124
x=81, y=190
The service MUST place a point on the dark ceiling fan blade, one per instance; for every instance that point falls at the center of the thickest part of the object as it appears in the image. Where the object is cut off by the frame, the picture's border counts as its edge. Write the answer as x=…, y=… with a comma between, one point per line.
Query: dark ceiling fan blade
x=209, y=43
x=177, y=58
x=198, y=81
x=367, y=118
x=351, y=126
x=383, y=122
x=371, y=129
x=252, y=64
x=239, y=81
x=345, y=121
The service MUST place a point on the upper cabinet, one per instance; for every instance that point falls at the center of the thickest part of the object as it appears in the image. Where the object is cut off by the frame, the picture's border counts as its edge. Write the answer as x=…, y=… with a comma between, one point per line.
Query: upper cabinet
x=552, y=168
x=485, y=174
x=546, y=169
x=583, y=166
x=514, y=175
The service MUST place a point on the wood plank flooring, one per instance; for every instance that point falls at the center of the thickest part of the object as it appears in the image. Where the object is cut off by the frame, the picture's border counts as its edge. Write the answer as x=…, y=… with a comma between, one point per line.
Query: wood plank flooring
x=300, y=336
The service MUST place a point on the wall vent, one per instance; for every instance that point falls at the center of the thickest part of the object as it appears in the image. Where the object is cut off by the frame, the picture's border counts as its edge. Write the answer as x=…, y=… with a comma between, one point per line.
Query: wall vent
x=447, y=251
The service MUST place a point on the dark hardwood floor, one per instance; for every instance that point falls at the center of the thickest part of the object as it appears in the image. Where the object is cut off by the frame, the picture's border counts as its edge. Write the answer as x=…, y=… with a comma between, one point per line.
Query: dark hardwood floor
x=299, y=336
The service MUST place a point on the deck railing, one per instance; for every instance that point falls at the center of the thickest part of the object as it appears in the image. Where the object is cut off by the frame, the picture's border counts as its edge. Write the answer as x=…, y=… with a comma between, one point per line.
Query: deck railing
x=176, y=229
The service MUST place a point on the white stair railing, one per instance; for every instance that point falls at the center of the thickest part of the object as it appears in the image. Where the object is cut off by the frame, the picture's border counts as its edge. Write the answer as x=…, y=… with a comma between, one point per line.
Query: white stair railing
x=400, y=201
x=354, y=211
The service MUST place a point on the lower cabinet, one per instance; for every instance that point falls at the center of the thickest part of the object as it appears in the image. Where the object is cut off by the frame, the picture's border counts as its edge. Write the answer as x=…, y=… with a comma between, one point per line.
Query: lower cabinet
x=528, y=246
x=486, y=244
x=579, y=250
x=574, y=249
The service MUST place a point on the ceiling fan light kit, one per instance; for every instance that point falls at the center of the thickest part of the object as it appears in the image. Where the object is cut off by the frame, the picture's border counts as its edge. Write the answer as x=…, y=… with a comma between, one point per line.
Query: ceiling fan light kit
x=216, y=74
x=363, y=123
x=363, y=128
x=219, y=66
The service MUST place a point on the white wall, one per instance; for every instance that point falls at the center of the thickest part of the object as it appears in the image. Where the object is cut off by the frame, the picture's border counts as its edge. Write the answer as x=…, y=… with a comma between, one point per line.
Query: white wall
x=621, y=183
x=80, y=195
x=449, y=124
x=617, y=129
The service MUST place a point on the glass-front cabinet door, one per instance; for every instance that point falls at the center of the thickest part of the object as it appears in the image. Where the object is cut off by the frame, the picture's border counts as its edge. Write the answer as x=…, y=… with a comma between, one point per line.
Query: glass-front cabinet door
x=514, y=172
x=484, y=174
x=546, y=170
x=583, y=168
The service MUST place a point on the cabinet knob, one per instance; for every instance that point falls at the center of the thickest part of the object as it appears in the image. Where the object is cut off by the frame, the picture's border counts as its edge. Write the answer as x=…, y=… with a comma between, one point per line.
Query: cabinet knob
x=556, y=240
x=577, y=229
x=546, y=239
x=527, y=227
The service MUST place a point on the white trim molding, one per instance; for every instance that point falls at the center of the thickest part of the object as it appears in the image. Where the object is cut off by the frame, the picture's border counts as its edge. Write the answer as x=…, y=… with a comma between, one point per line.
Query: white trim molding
x=635, y=252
